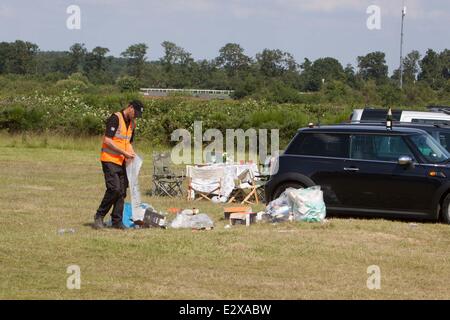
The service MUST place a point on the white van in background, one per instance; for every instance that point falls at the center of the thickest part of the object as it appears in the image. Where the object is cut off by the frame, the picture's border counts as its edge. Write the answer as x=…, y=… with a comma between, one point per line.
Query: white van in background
x=377, y=115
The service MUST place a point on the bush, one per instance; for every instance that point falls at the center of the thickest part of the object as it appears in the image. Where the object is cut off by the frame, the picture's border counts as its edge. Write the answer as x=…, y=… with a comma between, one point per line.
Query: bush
x=73, y=113
x=78, y=76
x=128, y=84
x=17, y=118
x=76, y=82
x=391, y=95
x=339, y=92
x=419, y=94
x=73, y=85
x=91, y=125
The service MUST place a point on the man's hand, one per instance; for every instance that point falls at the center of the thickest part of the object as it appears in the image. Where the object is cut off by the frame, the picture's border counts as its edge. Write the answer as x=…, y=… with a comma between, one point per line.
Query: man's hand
x=130, y=155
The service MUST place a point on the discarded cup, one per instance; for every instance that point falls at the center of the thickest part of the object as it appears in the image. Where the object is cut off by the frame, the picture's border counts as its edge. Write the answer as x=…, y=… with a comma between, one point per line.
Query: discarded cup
x=62, y=231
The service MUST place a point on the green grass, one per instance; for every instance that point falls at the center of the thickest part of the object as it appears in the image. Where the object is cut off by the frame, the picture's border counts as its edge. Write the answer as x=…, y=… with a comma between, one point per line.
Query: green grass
x=45, y=189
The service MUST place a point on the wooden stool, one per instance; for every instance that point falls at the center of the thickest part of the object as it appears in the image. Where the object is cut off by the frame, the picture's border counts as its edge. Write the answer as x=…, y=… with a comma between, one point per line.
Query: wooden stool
x=243, y=218
x=227, y=211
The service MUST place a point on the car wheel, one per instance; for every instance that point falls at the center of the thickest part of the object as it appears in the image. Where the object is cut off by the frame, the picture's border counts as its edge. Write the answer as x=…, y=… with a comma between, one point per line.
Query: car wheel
x=284, y=186
x=446, y=210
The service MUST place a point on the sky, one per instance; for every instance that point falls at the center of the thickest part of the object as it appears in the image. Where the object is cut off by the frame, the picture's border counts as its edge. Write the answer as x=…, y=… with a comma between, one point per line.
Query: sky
x=305, y=28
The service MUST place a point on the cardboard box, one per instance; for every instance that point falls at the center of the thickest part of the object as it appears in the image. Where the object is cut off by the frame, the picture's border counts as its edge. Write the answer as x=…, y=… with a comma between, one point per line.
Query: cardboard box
x=243, y=218
x=227, y=211
x=153, y=219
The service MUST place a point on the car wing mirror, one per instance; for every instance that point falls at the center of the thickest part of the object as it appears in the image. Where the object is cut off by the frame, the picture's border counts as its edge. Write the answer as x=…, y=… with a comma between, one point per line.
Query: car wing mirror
x=405, y=161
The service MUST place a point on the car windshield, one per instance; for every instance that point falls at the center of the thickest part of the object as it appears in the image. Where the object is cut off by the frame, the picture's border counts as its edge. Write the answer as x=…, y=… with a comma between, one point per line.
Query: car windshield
x=430, y=149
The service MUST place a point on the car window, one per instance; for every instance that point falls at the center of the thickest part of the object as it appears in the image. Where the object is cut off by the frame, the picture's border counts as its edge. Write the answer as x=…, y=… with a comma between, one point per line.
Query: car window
x=430, y=149
x=379, y=115
x=322, y=144
x=378, y=147
x=444, y=139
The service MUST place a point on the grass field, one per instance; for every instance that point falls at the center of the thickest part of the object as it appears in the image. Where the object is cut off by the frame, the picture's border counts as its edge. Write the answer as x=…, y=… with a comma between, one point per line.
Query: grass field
x=46, y=187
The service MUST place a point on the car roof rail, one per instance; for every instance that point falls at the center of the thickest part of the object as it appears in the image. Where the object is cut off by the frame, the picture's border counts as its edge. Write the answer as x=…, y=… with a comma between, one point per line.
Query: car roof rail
x=437, y=108
x=441, y=125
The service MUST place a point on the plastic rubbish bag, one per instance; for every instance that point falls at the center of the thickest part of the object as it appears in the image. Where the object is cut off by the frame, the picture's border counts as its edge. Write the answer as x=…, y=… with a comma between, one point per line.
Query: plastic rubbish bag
x=201, y=221
x=181, y=221
x=299, y=205
x=133, y=167
x=198, y=221
x=307, y=204
x=280, y=208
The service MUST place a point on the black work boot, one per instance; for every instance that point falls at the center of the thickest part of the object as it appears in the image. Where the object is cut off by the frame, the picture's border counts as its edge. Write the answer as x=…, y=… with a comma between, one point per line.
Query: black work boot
x=119, y=226
x=98, y=222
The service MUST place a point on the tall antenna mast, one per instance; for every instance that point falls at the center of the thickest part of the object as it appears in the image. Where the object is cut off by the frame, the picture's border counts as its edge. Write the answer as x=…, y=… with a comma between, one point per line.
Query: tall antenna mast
x=401, y=45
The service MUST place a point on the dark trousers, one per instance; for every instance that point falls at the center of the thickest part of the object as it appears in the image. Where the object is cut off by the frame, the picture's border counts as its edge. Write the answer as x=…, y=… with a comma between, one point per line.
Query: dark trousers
x=116, y=190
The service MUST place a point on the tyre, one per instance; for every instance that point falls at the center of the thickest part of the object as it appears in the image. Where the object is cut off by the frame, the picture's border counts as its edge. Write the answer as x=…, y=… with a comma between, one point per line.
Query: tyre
x=282, y=187
x=445, y=215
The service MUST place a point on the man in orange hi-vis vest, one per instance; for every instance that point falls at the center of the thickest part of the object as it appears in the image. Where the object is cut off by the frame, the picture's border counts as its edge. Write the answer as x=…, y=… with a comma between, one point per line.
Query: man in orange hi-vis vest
x=116, y=150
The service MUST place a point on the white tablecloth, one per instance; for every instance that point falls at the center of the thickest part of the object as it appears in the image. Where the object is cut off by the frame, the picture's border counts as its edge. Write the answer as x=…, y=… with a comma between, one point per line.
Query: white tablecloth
x=228, y=172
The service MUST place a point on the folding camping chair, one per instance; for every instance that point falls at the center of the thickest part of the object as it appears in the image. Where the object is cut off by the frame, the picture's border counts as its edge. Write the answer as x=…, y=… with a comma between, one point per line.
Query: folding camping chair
x=166, y=181
x=205, y=182
x=262, y=177
x=245, y=188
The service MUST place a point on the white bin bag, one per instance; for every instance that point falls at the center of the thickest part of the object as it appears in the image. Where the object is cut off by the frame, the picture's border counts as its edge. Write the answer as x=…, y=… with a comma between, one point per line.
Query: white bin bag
x=307, y=204
x=133, y=168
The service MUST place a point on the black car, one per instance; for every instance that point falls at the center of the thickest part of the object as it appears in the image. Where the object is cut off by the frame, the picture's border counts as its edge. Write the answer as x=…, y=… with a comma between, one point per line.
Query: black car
x=369, y=170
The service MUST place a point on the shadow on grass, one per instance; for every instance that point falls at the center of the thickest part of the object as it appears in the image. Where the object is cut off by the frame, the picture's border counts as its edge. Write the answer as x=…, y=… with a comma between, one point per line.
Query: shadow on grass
x=362, y=217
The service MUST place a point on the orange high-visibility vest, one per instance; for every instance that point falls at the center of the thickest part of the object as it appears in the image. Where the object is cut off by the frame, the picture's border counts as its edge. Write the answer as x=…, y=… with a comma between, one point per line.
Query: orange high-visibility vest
x=121, y=139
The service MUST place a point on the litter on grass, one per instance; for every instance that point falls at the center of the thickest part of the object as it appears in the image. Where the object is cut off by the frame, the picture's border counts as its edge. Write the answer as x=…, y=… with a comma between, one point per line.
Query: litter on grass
x=293, y=205
x=298, y=205
x=187, y=219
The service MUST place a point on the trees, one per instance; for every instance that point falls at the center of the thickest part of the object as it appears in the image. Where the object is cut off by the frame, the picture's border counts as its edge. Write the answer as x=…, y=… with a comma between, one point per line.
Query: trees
x=174, y=55
x=275, y=63
x=177, y=64
x=232, y=59
x=445, y=61
x=95, y=65
x=95, y=60
x=430, y=66
x=410, y=67
x=351, y=78
x=77, y=55
x=373, y=67
x=18, y=57
x=273, y=74
x=322, y=70
x=136, y=58
x=435, y=68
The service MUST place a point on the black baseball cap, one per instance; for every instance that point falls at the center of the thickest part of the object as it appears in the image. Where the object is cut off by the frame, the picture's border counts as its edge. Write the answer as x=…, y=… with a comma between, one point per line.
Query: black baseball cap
x=138, y=108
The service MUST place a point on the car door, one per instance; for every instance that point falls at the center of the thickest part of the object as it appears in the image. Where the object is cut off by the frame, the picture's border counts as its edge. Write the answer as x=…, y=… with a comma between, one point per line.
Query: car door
x=375, y=180
x=320, y=156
